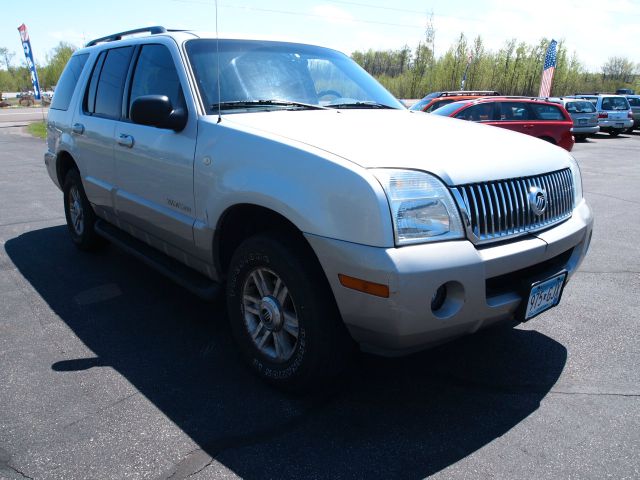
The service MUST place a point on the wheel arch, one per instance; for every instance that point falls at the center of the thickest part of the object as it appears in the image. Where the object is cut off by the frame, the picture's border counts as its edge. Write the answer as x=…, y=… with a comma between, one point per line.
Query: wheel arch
x=64, y=163
x=244, y=220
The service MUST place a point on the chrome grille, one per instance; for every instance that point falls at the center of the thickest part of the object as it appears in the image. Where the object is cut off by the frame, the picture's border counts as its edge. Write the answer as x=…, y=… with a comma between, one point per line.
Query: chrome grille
x=498, y=210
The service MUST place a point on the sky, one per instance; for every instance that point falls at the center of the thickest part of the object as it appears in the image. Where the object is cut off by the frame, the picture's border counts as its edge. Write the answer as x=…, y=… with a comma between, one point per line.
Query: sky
x=594, y=29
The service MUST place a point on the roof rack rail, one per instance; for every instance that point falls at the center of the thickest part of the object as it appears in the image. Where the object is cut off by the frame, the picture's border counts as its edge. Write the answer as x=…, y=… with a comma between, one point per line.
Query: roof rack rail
x=118, y=36
x=469, y=92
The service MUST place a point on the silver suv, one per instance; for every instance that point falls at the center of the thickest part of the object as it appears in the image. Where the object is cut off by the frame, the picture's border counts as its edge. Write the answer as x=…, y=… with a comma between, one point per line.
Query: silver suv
x=583, y=113
x=286, y=177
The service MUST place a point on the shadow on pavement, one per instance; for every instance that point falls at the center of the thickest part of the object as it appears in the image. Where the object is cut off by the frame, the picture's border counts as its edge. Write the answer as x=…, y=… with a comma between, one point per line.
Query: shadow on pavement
x=400, y=418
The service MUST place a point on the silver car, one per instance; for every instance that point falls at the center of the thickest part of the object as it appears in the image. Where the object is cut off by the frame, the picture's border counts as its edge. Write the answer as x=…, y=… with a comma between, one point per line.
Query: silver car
x=614, y=112
x=288, y=179
x=583, y=113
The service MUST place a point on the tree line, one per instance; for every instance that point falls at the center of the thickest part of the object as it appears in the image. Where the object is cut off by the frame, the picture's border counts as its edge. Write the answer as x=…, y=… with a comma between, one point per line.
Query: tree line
x=18, y=79
x=515, y=69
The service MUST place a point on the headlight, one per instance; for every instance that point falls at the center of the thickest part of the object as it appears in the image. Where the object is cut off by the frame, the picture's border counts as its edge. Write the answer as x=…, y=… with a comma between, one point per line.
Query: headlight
x=577, y=181
x=422, y=208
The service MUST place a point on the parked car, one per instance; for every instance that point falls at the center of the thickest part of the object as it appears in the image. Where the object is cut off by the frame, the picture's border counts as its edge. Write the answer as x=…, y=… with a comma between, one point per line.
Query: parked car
x=614, y=112
x=545, y=120
x=436, y=100
x=634, y=103
x=286, y=177
x=583, y=113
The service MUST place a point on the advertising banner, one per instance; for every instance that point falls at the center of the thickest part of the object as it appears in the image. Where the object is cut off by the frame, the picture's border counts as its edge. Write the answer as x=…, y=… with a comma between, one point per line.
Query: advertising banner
x=26, y=45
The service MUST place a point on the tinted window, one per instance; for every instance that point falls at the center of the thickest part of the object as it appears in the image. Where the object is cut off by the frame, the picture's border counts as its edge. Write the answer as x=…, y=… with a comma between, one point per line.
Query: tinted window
x=481, y=112
x=580, y=107
x=420, y=105
x=547, y=112
x=68, y=80
x=516, y=111
x=615, y=103
x=156, y=74
x=111, y=83
x=634, y=102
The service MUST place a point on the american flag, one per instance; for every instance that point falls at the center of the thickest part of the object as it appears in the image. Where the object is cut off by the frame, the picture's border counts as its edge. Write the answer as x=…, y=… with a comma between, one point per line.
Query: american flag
x=549, y=69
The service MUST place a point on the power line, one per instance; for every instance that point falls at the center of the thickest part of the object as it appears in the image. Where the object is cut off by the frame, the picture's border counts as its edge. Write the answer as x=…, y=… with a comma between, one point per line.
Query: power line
x=302, y=14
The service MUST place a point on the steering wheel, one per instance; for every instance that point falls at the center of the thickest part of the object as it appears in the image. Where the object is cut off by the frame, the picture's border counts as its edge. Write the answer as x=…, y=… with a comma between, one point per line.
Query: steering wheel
x=334, y=93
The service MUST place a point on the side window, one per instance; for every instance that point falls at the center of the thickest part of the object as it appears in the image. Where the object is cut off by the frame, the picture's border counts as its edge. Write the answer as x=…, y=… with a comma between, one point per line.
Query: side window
x=477, y=113
x=156, y=74
x=68, y=81
x=438, y=104
x=515, y=111
x=104, y=97
x=547, y=112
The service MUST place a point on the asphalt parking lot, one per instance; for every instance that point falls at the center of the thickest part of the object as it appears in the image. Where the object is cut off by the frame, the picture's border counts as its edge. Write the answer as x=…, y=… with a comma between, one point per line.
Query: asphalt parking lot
x=108, y=370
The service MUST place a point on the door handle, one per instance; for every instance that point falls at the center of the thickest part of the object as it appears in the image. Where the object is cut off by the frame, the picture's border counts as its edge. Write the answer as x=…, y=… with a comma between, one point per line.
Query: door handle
x=77, y=128
x=125, y=140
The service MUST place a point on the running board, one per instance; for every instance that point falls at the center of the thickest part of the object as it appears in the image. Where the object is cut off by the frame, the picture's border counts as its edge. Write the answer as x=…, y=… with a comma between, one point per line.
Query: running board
x=184, y=276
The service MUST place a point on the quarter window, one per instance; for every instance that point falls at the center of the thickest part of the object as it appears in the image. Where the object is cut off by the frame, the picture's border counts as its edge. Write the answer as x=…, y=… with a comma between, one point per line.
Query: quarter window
x=547, y=112
x=68, y=81
x=156, y=74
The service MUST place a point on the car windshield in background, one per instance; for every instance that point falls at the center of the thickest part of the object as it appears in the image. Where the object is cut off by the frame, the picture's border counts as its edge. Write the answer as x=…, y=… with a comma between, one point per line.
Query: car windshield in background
x=260, y=75
x=580, y=107
x=615, y=103
x=448, y=109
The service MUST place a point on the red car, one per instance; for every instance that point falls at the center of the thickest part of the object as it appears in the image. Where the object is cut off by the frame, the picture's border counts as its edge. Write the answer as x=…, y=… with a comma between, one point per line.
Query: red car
x=545, y=120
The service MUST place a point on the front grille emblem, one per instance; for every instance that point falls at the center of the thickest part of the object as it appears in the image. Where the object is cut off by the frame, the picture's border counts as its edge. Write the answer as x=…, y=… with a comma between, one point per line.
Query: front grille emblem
x=537, y=200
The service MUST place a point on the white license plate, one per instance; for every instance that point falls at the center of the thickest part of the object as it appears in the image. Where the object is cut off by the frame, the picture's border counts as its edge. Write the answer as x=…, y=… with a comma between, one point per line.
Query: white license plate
x=619, y=125
x=544, y=295
x=582, y=121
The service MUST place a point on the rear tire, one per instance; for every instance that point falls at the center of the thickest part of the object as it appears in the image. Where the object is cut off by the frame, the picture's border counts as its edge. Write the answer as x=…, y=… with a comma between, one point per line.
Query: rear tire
x=283, y=314
x=614, y=133
x=80, y=216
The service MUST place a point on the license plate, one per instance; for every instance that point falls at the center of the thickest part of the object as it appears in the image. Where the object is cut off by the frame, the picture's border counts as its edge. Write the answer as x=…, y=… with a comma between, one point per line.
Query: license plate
x=582, y=121
x=619, y=125
x=544, y=295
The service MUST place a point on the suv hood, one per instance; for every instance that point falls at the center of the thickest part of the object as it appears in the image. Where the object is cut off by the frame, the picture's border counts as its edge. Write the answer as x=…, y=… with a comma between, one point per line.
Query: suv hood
x=457, y=151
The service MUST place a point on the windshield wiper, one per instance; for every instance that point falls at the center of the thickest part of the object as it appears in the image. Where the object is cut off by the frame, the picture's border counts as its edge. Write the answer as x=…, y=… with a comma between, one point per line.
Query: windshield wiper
x=237, y=104
x=366, y=104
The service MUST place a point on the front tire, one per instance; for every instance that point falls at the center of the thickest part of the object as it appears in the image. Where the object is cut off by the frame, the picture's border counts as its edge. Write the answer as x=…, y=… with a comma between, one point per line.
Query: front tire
x=283, y=315
x=79, y=214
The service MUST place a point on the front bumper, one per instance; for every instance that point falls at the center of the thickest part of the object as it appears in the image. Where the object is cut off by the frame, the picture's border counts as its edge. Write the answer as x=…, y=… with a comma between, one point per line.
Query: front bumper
x=404, y=322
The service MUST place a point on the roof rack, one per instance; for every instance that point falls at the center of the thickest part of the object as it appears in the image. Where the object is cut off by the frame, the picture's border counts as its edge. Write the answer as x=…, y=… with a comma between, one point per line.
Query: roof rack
x=118, y=36
x=587, y=93
x=479, y=93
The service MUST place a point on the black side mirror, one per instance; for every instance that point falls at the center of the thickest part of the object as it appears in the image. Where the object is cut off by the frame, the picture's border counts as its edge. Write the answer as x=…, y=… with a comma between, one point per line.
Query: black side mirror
x=157, y=111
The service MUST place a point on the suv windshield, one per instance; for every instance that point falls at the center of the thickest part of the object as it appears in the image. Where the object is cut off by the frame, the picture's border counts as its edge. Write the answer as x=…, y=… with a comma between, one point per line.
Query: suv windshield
x=257, y=75
x=583, y=106
x=615, y=103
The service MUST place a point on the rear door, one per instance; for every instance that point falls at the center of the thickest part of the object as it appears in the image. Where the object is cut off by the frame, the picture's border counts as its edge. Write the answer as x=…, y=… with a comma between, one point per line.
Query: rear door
x=582, y=112
x=94, y=126
x=154, y=166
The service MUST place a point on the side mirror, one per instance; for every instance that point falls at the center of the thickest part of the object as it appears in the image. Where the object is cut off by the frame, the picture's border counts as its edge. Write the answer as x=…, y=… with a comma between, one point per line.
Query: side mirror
x=157, y=111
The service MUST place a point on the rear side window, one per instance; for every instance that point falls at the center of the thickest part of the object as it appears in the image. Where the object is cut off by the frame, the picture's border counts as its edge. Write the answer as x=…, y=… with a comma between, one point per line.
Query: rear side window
x=68, y=81
x=104, y=97
x=156, y=74
x=547, y=112
x=615, y=103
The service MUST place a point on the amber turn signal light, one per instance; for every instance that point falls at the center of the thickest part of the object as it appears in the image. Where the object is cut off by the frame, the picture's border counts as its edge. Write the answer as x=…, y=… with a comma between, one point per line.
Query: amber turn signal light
x=371, y=288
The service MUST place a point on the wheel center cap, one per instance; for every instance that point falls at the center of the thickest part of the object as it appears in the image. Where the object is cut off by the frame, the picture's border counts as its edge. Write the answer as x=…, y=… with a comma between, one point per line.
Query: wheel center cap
x=271, y=313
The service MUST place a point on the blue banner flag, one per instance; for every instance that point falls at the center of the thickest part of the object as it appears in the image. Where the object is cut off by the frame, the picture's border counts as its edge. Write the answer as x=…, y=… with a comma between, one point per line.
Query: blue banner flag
x=26, y=45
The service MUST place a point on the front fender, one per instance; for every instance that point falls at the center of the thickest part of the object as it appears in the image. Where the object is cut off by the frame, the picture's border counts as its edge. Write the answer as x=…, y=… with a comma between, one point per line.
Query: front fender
x=320, y=193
